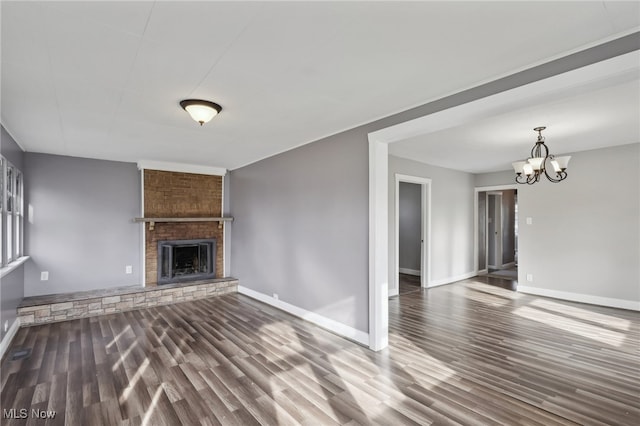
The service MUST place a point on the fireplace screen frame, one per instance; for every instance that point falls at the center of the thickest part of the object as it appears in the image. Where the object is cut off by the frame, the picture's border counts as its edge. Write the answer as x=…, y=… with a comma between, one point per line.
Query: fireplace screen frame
x=171, y=245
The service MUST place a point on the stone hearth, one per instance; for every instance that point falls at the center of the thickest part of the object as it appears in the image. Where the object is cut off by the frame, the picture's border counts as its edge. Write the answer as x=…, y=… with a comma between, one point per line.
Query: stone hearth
x=69, y=306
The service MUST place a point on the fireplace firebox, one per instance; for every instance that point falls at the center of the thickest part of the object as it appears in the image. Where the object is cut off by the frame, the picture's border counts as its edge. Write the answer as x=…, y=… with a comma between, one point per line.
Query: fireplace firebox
x=186, y=260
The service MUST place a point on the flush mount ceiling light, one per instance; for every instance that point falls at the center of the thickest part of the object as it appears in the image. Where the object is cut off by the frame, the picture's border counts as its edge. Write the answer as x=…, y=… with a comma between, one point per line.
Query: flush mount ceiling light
x=199, y=110
x=529, y=171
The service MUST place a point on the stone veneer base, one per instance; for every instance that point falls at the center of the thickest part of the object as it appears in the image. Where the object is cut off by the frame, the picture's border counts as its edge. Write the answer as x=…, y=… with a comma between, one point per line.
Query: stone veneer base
x=46, y=309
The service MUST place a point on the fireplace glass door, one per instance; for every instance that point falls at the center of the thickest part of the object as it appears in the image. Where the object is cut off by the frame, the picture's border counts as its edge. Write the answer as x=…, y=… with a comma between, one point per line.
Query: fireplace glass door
x=185, y=260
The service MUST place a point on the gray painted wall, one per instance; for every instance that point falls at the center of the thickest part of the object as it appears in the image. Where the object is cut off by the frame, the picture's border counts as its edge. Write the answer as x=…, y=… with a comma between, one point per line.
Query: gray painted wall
x=410, y=225
x=585, y=236
x=301, y=227
x=81, y=224
x=452, y=218
x=10, y=297
x=12, y=284
x=506, y=177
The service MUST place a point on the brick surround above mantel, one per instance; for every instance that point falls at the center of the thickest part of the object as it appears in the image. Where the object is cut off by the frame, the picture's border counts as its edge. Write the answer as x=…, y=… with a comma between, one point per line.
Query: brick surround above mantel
x=177, y=194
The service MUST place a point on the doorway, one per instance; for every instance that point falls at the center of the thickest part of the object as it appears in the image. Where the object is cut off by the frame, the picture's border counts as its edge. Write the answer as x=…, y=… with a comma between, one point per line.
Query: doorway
x=494, y=231
x=497, y=232
x=412, y=230
x=409, y=237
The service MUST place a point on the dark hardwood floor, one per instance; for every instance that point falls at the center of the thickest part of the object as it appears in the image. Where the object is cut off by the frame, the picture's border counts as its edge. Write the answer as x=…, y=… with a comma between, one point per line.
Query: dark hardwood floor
x=408, y=283
x=466, y=353
x=505, y=283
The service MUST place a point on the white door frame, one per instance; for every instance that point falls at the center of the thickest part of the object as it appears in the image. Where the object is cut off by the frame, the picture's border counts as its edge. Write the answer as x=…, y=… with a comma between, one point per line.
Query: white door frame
x=481, y=269
x=497, y=228
x=425, y=230
x=378, y=243
x=478, y=190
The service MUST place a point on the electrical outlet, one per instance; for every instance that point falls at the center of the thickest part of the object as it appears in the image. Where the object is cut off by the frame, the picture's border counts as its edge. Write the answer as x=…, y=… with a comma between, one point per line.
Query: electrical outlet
x=44, y=276
x=530, y=278
x=6, y=326
x=275, y=296
x=529, y=221
x=128, y=269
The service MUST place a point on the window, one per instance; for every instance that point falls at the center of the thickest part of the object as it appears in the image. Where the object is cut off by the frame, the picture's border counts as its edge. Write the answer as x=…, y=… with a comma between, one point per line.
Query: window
x=9, y=215
x=19, y=214
x=11, y=207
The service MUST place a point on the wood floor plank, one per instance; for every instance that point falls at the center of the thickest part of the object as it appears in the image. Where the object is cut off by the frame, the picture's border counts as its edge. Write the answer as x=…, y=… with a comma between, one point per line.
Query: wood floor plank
x=58, y=399
x=161, y=411
x=213, y=379
x=466, y=353
x=220, y=413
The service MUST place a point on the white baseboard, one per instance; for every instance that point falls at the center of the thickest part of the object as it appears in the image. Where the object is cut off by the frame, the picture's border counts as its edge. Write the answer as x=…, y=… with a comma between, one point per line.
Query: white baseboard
x=483, y=271
x=581, y=298
x=502, y=266
x=409, y=271
x=11, y=333
x=449, y=280
x=324, y=322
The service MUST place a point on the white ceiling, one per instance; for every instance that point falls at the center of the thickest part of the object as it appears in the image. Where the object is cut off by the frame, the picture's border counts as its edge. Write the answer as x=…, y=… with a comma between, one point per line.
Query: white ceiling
x=594, y=115
x=103, y=79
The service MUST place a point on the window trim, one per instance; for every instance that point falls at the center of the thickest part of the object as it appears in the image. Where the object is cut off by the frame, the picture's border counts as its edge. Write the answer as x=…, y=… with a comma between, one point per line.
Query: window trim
x=14, y=253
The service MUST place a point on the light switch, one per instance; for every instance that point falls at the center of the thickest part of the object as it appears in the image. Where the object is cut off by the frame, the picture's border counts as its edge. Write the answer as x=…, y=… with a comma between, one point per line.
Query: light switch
x=529, y=221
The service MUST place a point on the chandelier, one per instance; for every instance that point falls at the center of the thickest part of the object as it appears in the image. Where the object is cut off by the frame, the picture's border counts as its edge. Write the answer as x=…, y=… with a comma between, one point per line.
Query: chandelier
x=534, y=167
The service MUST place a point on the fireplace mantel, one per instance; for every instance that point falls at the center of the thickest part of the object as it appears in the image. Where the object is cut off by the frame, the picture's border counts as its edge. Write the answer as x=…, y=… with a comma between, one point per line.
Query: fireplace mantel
x=152, y=220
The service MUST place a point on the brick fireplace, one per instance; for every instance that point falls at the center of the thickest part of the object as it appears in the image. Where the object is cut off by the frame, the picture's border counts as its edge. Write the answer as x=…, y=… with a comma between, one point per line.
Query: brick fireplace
x=181, y=195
